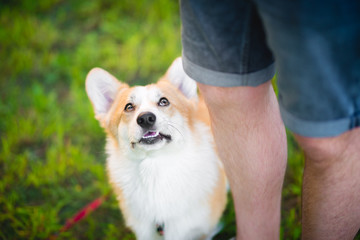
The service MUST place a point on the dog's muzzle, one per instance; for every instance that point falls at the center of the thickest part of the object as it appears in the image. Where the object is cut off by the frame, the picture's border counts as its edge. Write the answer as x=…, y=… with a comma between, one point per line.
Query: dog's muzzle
x=146, y=121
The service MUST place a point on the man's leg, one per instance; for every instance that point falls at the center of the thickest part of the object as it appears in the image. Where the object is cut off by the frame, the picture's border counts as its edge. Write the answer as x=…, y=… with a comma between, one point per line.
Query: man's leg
x=331, y=188
x=251, y=141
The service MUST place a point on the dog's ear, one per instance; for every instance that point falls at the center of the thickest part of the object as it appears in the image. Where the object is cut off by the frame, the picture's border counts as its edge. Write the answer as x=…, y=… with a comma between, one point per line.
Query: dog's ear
x=102, y=88
x=177, y=76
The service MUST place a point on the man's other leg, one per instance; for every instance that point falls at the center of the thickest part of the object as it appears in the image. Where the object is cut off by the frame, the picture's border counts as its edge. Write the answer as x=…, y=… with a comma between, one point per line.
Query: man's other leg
x=251, y=141
x=331, y=187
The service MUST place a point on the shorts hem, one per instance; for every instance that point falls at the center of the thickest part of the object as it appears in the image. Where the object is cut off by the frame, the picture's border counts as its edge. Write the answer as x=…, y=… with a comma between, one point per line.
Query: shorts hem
x=223, y=79
x=316, y=129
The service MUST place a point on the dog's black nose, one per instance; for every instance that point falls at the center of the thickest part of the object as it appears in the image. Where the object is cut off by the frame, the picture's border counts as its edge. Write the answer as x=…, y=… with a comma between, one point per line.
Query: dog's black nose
x=146, y=120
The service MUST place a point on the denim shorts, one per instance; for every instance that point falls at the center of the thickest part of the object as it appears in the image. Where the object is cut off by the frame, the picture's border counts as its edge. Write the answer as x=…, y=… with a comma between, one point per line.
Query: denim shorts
x=313, y=45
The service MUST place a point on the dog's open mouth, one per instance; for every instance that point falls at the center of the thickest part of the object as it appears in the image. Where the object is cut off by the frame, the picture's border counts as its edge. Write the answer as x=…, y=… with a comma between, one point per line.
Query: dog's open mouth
x=151, y=137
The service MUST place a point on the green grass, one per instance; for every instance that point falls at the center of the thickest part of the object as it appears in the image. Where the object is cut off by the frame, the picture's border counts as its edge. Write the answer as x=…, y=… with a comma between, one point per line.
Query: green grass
x=51, y=147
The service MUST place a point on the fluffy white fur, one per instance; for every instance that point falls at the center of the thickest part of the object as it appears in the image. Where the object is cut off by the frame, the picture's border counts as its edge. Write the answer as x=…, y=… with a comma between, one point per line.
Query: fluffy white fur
x=170, y=182
x=171, y=187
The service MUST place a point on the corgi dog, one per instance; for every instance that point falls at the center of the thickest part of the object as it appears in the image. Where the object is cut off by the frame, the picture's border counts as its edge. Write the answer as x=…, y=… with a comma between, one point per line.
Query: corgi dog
x=161, y=158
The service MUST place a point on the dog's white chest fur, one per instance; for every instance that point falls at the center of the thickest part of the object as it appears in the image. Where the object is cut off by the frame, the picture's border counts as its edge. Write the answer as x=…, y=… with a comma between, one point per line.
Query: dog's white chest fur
x=169, y=187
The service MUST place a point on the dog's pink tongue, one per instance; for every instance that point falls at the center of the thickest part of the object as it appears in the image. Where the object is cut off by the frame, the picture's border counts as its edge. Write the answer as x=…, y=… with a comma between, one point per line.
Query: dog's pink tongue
x=150, y=134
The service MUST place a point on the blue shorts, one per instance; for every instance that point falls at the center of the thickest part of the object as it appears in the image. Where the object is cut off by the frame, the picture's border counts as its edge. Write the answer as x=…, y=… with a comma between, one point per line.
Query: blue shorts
x=313, y=45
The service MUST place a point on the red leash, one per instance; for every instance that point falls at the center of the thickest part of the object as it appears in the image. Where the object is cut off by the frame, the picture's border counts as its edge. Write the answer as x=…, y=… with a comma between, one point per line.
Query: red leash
x=84, y=212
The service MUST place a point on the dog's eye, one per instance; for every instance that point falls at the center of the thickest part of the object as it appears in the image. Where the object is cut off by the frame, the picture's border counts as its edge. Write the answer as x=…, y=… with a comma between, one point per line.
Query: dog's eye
x=129, y=107
x=163, y=102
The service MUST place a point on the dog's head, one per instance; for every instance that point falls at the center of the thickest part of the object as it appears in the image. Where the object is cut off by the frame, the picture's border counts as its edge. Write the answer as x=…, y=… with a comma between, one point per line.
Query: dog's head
x=144, y=117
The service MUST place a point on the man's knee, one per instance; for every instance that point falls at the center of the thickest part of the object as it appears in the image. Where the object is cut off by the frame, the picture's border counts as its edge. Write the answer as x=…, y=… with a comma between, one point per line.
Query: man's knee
x=322, y=152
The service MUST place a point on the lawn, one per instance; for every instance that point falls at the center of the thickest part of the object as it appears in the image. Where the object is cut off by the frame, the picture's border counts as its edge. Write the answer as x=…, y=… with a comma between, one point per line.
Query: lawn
x=51, y=147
